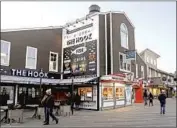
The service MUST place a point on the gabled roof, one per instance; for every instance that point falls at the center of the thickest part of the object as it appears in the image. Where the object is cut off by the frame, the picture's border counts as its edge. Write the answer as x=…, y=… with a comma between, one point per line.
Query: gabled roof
x=149, y=50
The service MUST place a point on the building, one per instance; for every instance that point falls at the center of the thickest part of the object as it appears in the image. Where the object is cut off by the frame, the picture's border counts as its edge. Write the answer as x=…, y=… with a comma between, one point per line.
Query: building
x=81, y=52
x=156, y=77
x=27, y=57
x=97, y=45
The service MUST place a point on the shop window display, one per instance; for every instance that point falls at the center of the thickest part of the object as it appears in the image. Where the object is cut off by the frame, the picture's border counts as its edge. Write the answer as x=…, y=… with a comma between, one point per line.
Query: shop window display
x=7, y=93
x=108, y=93
x=120, y=93
x=86, y=93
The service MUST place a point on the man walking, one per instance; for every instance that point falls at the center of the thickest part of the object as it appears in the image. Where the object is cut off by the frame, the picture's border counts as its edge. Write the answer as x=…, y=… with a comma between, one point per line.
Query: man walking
x=145, y=96
x=49, y=107
x=162, y=98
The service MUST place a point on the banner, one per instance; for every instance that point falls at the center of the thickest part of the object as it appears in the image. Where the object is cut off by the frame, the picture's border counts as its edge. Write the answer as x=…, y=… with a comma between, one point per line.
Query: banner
x=130, y=55
x=80, y=60
x=79, y=52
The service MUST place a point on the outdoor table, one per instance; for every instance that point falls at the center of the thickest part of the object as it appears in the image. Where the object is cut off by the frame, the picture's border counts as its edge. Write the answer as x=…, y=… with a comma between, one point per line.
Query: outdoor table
x=5, y=109
x=35, y=106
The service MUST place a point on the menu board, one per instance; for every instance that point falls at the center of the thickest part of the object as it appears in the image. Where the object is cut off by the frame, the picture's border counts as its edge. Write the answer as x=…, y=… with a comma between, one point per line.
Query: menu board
x=108, y=93
x=85, y=93
x=120, y=93
x=80, y=60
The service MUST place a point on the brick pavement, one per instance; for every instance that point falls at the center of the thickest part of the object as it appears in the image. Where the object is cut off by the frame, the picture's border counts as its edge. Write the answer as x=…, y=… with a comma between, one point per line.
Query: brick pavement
x=132, y=116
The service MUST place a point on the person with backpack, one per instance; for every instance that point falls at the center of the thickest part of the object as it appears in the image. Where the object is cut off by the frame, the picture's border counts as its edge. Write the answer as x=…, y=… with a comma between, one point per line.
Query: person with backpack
x=49, y=107
x=162, y=98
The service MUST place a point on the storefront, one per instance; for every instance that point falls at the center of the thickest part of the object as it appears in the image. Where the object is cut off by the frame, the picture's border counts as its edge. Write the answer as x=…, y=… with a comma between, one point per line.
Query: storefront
x=32, y=83
x=115, y=91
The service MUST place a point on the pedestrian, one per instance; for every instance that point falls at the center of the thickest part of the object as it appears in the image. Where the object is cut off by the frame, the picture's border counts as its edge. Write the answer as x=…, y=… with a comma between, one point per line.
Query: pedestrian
x=71, y=99
x=43, y=102
x=49, y=107
x=162, y=98
x=145, y=96
x=77, y=101
x=151, y=97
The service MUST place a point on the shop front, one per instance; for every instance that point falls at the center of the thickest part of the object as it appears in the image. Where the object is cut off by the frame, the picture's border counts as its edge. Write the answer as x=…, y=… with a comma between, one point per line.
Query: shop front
x=115, y=91
x=32, y=84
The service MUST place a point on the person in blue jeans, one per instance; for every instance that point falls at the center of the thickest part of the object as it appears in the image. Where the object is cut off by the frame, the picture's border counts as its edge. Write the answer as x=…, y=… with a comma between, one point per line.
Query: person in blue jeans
x=49, y=107
x=162, y=98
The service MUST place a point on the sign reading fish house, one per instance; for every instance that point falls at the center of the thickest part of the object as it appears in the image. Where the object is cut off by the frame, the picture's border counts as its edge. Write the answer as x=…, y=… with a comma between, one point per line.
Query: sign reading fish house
x=80, y=48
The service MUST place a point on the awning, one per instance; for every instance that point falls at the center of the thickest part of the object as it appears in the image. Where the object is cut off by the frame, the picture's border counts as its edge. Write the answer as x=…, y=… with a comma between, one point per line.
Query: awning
x=27, y=80
x=30, y=80
x=78, y=81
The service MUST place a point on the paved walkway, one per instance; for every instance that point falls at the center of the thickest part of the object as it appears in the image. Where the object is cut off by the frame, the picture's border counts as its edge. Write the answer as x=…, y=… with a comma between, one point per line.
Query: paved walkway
x=132, y=116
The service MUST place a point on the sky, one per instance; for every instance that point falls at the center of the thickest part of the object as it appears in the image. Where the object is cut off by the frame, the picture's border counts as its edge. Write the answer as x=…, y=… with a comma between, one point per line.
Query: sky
x=155, y=22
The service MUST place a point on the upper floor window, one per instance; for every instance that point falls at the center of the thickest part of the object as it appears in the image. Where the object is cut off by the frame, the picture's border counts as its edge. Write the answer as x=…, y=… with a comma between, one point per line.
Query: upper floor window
x=151, y=61
x=31, y=57
x=147, y=59
x=124, y=65
x=142, y=71
x=154, y=62
x=5, y=52
x=124, y=35
x=53, y=62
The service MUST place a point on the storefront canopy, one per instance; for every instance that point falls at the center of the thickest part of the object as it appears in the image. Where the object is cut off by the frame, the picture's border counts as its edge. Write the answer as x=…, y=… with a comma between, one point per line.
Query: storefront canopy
x=27, y=80
x=30, y=80
x=75, y=81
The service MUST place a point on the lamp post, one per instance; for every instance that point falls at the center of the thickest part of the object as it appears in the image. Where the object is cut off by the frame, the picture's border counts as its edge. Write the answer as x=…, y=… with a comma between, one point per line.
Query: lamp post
x=41, y=85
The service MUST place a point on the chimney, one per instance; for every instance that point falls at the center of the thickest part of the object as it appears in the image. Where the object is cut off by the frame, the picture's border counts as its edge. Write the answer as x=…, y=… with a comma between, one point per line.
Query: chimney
x=94, y=8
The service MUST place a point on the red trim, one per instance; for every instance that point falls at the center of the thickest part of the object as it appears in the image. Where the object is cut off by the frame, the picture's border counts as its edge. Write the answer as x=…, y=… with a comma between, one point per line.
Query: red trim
x=112, y=81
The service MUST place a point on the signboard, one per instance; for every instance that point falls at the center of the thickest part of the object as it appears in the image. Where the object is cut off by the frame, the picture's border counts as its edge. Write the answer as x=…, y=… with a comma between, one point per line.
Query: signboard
x=24, y=73
x=131, y=55
x=79, y=52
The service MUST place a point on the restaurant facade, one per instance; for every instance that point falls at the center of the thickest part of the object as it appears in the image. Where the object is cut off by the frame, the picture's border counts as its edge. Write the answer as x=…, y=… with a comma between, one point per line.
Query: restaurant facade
x=89, y=54
x=94, y=50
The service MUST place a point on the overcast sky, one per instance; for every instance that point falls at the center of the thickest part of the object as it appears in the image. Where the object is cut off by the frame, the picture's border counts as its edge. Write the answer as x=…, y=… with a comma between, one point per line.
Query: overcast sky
x=155, y=22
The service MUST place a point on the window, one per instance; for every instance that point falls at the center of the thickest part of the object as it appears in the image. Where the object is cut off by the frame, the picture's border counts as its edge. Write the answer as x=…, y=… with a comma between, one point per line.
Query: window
x=31, y=57
x=124, y=35
x=107, y=93
x=124, y=65
x=120, y=93
x=53, y=62
x=151, y=61
x=142, y=71
x=136, y=70
x=159, y=75
x=147, y=59
x=5, y=53
x=154, y=62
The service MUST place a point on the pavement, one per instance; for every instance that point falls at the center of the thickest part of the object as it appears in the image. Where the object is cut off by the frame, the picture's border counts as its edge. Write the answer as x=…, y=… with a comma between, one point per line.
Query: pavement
x=131, y=116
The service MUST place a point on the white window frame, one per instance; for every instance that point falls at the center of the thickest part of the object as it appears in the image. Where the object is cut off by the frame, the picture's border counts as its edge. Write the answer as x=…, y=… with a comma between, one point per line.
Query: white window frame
x=124, y=30
x=147, y=59
x=136, y=70
x=35, y=65
x=8, y=57
x=154, y=62
x=142, y=67
x=50, y=68
x=124, y=57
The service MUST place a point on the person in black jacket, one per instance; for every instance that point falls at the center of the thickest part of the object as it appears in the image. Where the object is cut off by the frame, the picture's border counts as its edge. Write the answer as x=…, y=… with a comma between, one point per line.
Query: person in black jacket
x=151, y=97
x=145, y=96
x=49, y=107
x=162, y=98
